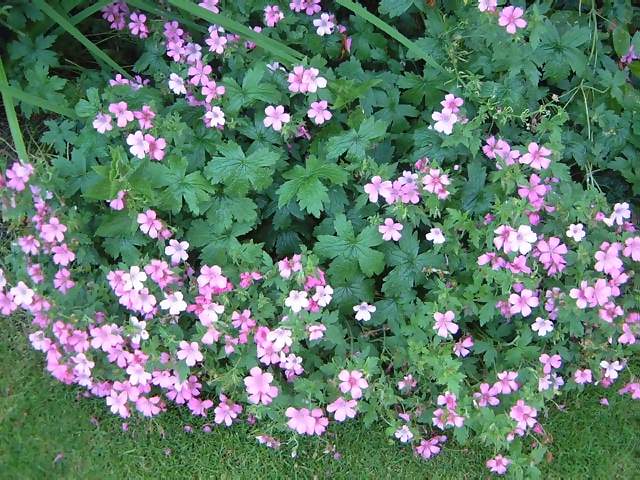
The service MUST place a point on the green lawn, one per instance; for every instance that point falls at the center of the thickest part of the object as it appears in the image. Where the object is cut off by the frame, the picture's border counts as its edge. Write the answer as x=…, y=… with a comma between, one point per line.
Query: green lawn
x=41, y=419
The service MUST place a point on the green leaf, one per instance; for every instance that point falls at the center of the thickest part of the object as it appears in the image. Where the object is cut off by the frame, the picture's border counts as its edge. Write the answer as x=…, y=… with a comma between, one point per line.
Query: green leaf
x=349, y=246
x=621, y=40
x=236, y=170
x=305, y=185
x=355, y=143
x=59, y=134
x=90, y=107
x=394, y=8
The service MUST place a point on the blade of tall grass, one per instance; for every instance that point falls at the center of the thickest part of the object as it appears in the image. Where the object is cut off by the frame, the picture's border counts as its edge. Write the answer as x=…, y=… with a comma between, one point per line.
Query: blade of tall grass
x=363, y=13
x=93, y=49
x=278, y=49
x=12, y=118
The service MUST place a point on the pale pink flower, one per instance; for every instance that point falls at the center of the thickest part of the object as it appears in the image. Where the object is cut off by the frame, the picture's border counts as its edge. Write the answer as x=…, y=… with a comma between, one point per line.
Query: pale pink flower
x=174, y=303
x=452, y=102
x=122, y=113
x=523, y=302
x=520, y=240
x=377, y=187
x=319, y=112
x=583, y=376
x=542, y=326
x=259, y=386
x=498, y=464
x=176, y=84
x=102, y=122
x=390, y=230
x=297, y=300
x=272, y=15
x=506, y=382
x=324, y=25
x=576, y=232
x=487, y=395
x=189, y=352
x=342, y=409
x=138, y=145
x=523, y=414
x=275, y=117
x=364, y=311
x=436, y=236
x=316, y=331
x=214, y=118
x=353, y=382
x=403, y=434
x=155, y=147
x=444, y=324
x=487, y=5
x=632, y=248
x=444, y=121
x=53, y=230
x=177, y=251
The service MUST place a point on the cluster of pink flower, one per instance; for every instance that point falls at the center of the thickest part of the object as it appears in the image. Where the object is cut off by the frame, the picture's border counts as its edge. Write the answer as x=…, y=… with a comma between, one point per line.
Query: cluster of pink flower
x=308, y=80
x=537, y=157
x=450, y=114
x=510, y=17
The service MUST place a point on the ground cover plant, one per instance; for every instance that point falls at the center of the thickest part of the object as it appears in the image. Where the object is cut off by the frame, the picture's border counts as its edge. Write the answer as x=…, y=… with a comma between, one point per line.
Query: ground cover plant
x=312, y=215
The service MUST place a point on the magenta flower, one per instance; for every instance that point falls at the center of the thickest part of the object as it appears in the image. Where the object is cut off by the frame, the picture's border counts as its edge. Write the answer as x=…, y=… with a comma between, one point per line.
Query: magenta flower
x=259, y=387
x=487, y=395
x=342, y=409
x=510, y=19
x=390, y=230
x=444, y=323
x=275, y=117
x=352, y=382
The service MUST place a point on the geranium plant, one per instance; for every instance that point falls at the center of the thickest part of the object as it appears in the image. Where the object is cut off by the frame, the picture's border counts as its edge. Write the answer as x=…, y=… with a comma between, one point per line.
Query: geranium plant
x=302, y=219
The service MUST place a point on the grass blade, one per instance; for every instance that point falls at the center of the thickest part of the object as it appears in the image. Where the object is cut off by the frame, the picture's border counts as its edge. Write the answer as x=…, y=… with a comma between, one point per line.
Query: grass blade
x=12, y=118
x=13, y=92
x=389, y=30
x=278, y=49
x=95, y=51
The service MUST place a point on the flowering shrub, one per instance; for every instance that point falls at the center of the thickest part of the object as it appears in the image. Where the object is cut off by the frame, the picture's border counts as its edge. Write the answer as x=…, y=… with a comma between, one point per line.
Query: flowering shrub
x=357, y=233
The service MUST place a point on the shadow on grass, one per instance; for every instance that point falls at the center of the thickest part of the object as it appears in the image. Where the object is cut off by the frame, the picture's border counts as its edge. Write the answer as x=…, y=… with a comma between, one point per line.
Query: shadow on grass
x=46, y=431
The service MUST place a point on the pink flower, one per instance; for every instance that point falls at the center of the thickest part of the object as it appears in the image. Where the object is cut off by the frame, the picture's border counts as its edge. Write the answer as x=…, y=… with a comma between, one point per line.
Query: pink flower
x=444, y=121
x=452, y=102
x=216, y=42
x=444, y=323
x=607, y=258
x=211, y=277
x=523, y=414
x=18, y=176
x=536, y=155
x=226, y=411
x=316, y=332
x=364, y=311
x=583, y=376
x=149, y=224
x=576, y=232
x=430, y=448
x=319, y=113
x=436, y=236
x=62, y=255
x=510, y=19
x=102, y=122
x=520, y=240
x=550, y=362
x=118, y=202
x=272, y=15
x=353, y=382
x=122, y=114
x=390, y=230
x=436, y=182
x=376, y=187
x=214, y=118
x=211, y=5
x=177, y=251
x=487, y=395
x=506, y=382
x=342, y=409
x=137, y=25
x=53, y=231
x=259, y=387
x=498, y=464
x=404, y=434
x=462, y=346
x=275, y=117
x=542, y=326
x=145, y=117
x=523, y=303
x=118, y=403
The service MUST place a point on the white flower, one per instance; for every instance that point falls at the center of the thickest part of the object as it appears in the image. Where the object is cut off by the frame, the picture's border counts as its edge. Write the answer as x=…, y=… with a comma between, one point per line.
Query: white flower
x=3, y=280
x=576, y=231
x=364, y=311
x=323, y=295
x=139, y=328
x=176, y=84
x=280, y=338
x=444, y=121
x=174, y=303
x=403, y=434
x=521, y=239
x=435, y=235
x=542, y=326
x=324, y=25
x=611, y=369
x=177, y=251
x=297, y=300
x=134, y=280
x=22, y=295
